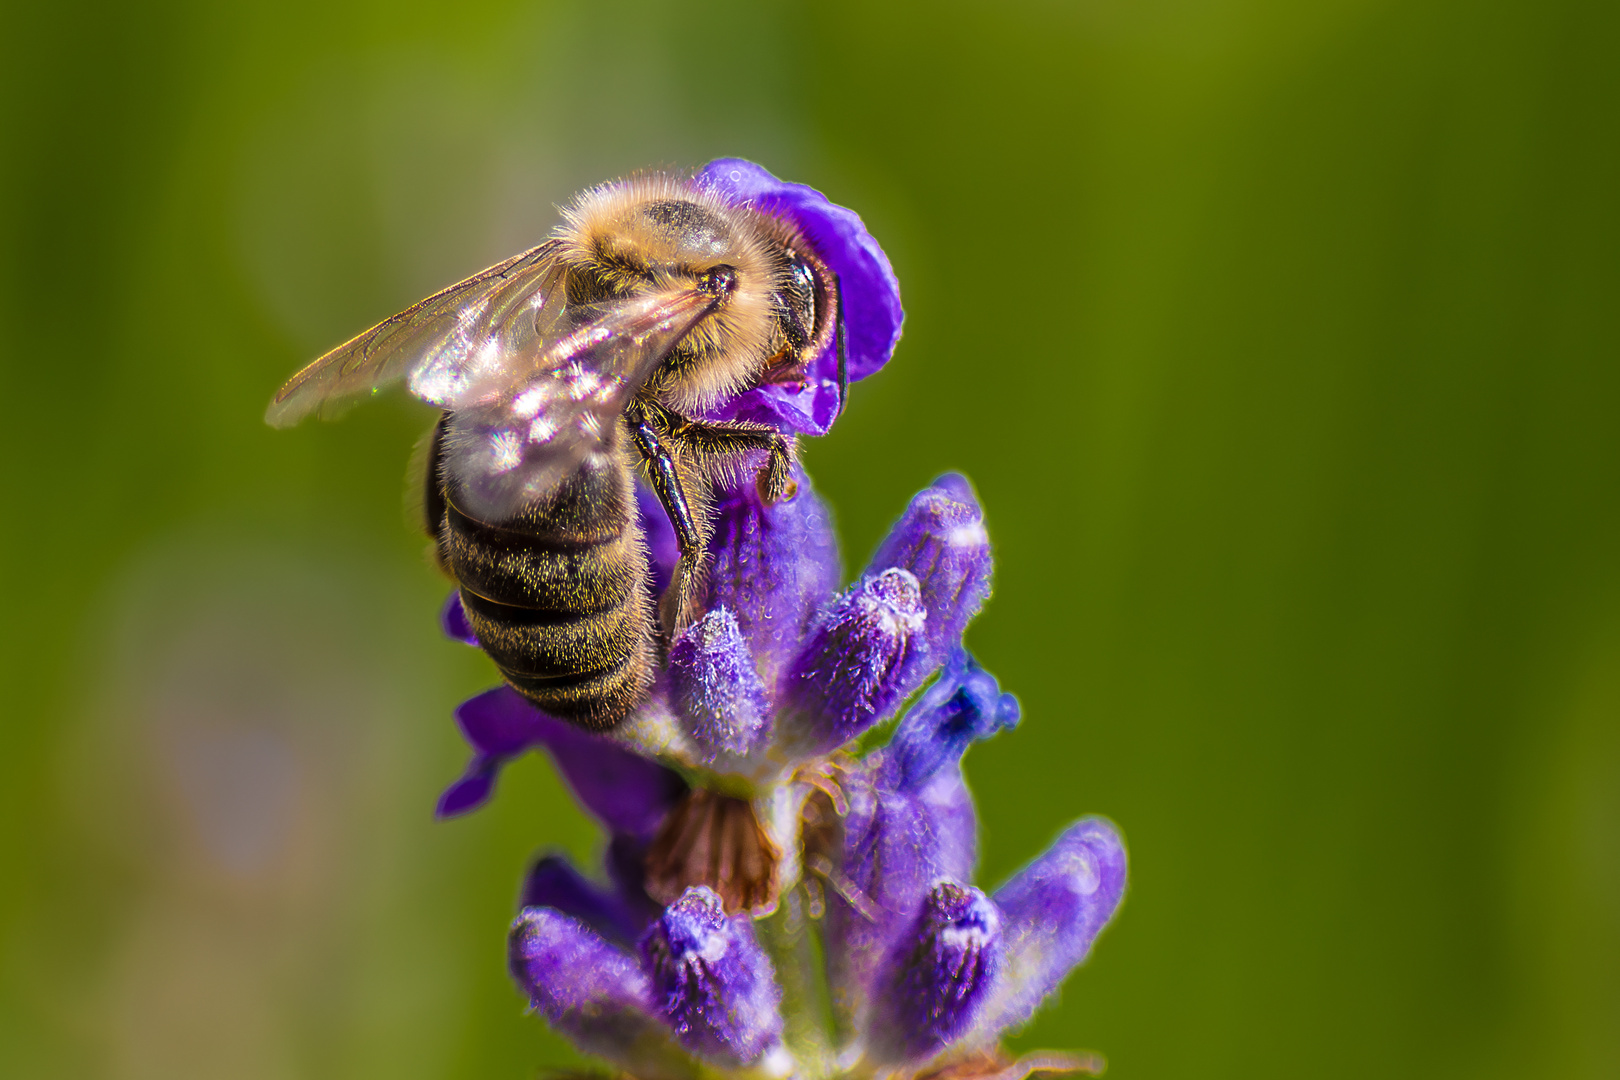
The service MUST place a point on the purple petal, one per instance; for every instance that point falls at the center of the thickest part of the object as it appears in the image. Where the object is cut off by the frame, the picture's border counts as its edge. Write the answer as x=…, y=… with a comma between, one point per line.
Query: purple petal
x=712, y=982
x=453, y=620
x=809, y=408
x=554, y=883
x=501, y=723
x=773, y=566
x=591, y=992
x=938, y=976
x=662, y=547
x=964, y=705
x=859, y=662
x=626, y=862
x=869, y=294
x=941, y=539
x=472, y=790
x=716, y=690
x=629, y=793
x=1052, y=911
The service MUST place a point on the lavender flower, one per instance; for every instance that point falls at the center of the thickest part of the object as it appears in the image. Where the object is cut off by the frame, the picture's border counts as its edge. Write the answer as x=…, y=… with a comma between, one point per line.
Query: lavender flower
x=741, y=827
x=772, y=902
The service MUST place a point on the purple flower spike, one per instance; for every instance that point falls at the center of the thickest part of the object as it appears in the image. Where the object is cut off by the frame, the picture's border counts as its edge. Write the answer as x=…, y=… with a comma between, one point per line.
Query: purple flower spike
x=711, y=980
x=1052, y=911
x=591, y=992
x=939, y=975
x=716, y=689
x=629, y=793
x=855, y=669
x=869, y=294
x=453, y=620
x=964, y=705
x=772, y=567
x=941, y=539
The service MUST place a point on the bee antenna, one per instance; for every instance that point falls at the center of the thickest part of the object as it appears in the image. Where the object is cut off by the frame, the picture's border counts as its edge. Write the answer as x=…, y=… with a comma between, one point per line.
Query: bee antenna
x=843, y=360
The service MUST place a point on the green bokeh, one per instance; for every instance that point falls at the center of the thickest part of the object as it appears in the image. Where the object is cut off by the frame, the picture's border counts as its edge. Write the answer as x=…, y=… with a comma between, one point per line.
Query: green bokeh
x=1280, y=340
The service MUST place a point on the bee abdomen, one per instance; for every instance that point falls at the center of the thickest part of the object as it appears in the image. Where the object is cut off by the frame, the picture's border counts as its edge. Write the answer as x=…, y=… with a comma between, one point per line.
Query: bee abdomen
x=559, y=596
x=526, y=571
x=590, y=668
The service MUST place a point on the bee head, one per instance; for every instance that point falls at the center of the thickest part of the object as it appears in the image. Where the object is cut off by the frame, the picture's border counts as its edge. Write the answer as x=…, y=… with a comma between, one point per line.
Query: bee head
x=658, y=232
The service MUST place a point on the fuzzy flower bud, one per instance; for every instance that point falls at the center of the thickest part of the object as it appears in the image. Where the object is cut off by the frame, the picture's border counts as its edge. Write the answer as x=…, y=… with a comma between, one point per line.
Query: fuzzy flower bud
x=852, y=673
x=938, y=976
x=910, y=821
x=1052, y=911
x=711, y=980
x=588, y=990
x=717, y=692
x=942, y=541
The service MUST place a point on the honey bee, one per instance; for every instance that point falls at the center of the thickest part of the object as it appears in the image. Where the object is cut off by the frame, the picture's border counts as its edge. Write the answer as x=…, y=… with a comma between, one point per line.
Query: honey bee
x=560, y=374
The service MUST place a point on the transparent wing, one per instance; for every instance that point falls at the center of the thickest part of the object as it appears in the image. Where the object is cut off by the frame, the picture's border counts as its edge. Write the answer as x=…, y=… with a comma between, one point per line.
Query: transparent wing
x=512, y=440
x=437, y=343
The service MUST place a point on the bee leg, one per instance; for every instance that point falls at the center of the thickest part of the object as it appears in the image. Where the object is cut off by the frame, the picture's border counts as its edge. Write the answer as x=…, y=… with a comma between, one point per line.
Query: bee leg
x=674, y=607
x=704, y=442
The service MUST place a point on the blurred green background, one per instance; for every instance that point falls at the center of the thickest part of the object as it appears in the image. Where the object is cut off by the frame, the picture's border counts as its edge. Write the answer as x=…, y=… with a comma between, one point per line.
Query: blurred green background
x=1280, y=340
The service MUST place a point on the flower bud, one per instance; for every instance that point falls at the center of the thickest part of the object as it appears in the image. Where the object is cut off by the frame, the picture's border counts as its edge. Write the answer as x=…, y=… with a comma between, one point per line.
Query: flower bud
x=896, y=846
x=942, y=541
x=589, y=991
x=717, y=692
x=1052, y=911
x=855, y=668
x=938, y=976
x=711, y=981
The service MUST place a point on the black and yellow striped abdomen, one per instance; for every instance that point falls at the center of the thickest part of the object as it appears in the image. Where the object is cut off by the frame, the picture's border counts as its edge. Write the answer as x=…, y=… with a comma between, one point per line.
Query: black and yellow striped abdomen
x=559, y=594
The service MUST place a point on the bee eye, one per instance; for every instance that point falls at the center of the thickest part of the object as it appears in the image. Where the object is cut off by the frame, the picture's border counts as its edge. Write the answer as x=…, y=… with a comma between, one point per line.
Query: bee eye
x=797, y=301
x=803, y=278
x=720, y=282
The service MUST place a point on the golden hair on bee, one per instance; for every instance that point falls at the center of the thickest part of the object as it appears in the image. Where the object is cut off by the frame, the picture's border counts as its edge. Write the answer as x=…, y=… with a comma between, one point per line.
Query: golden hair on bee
x=562, y=374
x=659, y=231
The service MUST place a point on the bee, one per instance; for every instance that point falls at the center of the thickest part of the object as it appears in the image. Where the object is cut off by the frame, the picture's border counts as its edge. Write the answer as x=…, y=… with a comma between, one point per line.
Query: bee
x=563, y=372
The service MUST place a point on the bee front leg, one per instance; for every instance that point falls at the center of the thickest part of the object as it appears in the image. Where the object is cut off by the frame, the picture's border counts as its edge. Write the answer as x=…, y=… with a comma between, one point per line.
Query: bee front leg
x=674, y=608
x=703, y=442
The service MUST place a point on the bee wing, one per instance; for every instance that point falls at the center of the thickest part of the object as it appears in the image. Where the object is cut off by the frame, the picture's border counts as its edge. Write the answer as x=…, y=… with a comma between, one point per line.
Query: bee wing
x=509, y=444
x=440, y=344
